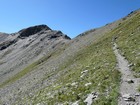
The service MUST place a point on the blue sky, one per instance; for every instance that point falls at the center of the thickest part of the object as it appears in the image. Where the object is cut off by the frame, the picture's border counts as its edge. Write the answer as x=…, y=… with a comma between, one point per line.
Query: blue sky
x=72, y=17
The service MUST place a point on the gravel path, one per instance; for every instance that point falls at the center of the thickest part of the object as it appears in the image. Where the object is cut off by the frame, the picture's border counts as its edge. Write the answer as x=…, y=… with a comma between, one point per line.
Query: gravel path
x=128, y=87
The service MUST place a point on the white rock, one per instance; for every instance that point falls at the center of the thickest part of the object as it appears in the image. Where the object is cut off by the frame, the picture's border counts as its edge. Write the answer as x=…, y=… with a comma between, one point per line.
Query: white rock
x=75, y=103
x=137, y=94
x=87, y=84
x=90, y=98
x=74, y=83
x=129, y=81
x=39, y=104
x=127, y=97
x=82, y=75
x=84, y=71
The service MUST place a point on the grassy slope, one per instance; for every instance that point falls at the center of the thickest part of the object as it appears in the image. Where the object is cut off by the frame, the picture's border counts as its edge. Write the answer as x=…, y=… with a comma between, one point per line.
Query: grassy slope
x=100, y=62
x=99, y=59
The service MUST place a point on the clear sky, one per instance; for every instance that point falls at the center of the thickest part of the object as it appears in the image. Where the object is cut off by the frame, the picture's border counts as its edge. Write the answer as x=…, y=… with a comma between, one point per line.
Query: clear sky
x=70, y=16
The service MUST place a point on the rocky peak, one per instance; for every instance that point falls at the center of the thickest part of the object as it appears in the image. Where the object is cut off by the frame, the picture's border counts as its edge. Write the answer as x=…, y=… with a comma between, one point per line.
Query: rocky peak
x=32, y=30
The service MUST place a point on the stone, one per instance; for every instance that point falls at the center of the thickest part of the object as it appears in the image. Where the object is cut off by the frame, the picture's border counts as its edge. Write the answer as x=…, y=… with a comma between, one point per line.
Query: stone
x=87, y=84
x=128, y=97
x=137, y=94
x=90, y=98
x=130, y=65
x=75, y=103
x=74, y=84
x=84, y=71
x=129, y=81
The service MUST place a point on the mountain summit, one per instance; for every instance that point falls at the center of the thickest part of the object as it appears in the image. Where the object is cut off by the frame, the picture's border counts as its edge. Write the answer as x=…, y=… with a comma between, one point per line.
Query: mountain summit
x=33, y=30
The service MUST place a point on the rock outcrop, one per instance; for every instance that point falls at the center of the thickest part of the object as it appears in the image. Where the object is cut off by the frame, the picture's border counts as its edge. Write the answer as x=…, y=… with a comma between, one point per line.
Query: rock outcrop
x=33, y=30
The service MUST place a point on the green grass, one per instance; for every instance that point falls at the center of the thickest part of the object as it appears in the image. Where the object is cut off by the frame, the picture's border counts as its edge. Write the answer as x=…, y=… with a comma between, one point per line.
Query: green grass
x=100, y=61
x=138, y=88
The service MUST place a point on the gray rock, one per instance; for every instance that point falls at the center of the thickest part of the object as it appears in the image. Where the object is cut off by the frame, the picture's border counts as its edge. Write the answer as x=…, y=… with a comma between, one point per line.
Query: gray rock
x=130, y=81
x=90, y=98
x=128, y=97
x=85, y=71
x=87, y=84
x=137, y=94
x=75, y=103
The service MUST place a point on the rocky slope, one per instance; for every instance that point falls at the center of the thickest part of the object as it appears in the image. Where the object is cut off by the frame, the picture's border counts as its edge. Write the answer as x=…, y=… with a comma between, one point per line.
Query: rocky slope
x=3, y=36
x=41, y=66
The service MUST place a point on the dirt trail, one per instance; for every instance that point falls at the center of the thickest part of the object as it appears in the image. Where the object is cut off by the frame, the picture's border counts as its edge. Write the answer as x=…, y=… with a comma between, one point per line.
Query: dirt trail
x=128, y=87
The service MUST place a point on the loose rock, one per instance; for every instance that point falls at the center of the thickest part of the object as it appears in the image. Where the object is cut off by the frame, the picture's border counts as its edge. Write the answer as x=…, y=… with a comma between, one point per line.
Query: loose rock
x=128, y=97
x=130, y=81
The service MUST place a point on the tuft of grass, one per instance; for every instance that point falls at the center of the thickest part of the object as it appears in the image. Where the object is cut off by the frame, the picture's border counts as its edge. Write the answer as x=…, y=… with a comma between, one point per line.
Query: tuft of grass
x=138, y=88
